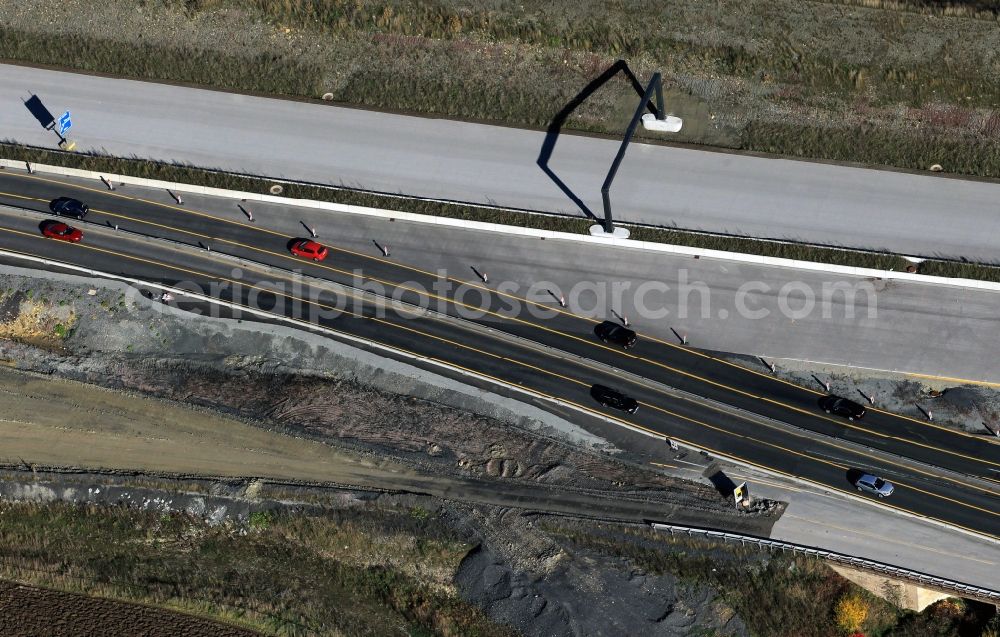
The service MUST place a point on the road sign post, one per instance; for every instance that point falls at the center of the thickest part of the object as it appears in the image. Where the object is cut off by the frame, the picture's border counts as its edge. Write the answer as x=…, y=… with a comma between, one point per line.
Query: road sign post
x=48, y=122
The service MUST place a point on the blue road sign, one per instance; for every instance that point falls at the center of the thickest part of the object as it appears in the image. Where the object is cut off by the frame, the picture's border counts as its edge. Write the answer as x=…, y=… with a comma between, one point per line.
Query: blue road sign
x=65, y=123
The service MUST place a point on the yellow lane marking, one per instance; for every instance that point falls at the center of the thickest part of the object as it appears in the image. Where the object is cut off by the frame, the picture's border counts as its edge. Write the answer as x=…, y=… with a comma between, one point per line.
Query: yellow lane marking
x=492, y=291
x=820, y=485
x=10, y=194
x=783, y=487
x=952, y=379
x=523, y=364
x=560, y=333
x=798, y=453
x=429, y=295
x=579, y=406
x=664, y=464
x=845, y=423
x=397, y=264
x=476, y=284
x=477, y=350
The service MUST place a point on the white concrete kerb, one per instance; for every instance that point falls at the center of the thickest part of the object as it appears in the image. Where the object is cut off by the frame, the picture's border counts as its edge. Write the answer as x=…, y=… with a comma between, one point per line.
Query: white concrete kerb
x=513, y=230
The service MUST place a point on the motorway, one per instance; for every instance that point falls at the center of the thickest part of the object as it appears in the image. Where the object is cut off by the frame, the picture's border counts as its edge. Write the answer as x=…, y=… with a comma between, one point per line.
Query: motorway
x=922, y=215
x=689, y=395
x=903, y=326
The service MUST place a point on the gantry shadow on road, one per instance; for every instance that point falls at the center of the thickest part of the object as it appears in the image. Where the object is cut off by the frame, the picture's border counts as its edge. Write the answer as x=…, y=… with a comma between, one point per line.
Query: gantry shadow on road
x=555, y=127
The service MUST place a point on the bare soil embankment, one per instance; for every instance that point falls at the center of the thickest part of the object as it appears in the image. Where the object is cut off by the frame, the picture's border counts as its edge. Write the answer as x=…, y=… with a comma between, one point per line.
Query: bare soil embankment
x=292, y=416
x=299, y=408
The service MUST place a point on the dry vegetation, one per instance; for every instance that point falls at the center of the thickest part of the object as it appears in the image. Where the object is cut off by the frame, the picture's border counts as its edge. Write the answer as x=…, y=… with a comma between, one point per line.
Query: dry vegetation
x=372, y=572
x=892, y=82
x=28, y=319
x=781, y=595
x=386, y=570
x=900, y=83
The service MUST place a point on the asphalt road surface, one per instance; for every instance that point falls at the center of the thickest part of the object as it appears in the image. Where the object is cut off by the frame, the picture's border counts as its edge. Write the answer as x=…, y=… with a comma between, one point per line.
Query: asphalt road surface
x=920, y=215
x=355, y=261
x=946, y=486
x=931, y=330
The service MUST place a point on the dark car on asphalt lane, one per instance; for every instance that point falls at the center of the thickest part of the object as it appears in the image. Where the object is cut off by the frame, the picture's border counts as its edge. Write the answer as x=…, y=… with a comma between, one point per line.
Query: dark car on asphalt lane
x=842, y=407
x=867, y=483
x=611, y=332
x=61, y=231
x=69, y=207
x=612, y=398
x=309, y=249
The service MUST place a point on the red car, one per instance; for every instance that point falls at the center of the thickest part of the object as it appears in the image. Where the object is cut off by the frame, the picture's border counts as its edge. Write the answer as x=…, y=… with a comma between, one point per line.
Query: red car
x=309, y=249
x=61, y=231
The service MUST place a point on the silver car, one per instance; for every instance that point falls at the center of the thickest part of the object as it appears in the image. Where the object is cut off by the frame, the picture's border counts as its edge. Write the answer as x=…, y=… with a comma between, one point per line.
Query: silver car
x=868, y=483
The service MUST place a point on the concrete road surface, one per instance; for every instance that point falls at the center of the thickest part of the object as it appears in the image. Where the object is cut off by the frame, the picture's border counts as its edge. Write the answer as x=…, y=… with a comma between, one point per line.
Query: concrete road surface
x=911, y=214
x=816, y=517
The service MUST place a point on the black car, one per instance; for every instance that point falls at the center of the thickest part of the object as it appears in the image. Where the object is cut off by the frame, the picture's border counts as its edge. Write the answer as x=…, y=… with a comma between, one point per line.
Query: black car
x=610, y=398
x=611, y=332
x=69, y=207
x=842, y=407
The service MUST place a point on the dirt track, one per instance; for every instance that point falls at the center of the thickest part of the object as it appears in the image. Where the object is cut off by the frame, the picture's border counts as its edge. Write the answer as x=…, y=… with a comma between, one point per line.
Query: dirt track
x=56, y=422
x=59, y=423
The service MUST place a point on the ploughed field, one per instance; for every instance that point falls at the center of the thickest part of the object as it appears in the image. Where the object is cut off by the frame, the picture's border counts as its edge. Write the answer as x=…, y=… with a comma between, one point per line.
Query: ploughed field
x=28, y=610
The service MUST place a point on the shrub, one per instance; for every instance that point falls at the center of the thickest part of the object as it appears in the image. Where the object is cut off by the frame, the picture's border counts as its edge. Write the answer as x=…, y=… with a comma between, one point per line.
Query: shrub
x=850, y=612
x=260, y=520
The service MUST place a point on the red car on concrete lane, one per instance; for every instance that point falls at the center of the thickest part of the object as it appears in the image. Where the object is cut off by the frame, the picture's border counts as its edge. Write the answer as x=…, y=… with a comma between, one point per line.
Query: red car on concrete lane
x=309, y=249
x=61, y=231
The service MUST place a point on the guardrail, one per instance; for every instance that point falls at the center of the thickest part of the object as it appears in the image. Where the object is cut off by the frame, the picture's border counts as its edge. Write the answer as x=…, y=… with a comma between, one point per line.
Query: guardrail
x=881, y=568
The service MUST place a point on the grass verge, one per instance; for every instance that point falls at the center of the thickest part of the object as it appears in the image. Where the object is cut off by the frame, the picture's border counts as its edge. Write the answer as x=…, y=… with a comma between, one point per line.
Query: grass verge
x=360, y=572
x=203, y=177
x=895, y=82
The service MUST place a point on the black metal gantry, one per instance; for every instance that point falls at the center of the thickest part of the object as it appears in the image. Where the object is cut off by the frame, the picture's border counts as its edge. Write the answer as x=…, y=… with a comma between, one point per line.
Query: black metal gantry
x=655, y=85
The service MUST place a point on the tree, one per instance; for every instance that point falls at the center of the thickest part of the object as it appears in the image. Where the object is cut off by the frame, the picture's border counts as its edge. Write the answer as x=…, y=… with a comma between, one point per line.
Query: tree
x=850, y=612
